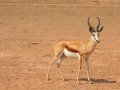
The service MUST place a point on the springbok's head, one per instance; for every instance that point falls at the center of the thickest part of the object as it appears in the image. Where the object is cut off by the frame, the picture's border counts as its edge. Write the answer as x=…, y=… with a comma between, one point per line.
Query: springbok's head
x=95, y=32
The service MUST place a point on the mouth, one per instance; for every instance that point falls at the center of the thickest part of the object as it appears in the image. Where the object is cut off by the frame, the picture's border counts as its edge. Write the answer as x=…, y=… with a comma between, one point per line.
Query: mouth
x=97, y=41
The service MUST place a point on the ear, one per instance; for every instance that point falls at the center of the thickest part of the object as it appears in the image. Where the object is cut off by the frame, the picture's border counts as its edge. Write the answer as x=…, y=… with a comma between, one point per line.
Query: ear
x=101, y=29
x=91, y=29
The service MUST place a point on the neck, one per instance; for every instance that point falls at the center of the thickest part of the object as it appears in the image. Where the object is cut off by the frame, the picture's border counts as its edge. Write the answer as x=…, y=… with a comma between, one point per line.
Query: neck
x=91, y=45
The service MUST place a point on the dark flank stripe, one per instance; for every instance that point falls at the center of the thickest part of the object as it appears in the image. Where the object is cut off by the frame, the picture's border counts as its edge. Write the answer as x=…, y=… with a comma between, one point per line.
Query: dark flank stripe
x=71, y=49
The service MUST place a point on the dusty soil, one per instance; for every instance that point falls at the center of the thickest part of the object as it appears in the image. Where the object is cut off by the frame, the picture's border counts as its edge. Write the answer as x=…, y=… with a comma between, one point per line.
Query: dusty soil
x=27, y=35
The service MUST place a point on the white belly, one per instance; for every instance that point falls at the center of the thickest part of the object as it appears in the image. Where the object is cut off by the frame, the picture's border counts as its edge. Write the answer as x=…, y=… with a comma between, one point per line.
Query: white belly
x=71, y=54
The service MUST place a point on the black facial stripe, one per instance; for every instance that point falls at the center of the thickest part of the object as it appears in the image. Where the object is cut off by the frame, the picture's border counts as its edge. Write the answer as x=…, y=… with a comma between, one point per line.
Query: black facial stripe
x=94, y=37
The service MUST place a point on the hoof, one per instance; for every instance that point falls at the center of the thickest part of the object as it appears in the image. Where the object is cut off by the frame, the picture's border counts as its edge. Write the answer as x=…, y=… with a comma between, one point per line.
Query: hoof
x=63, y=79
x=78, y=82
x=48, y=79
x=91, y=82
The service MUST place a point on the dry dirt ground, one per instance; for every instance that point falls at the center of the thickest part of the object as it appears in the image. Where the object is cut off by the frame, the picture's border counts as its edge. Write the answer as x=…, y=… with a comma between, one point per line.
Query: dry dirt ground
x=27, y=35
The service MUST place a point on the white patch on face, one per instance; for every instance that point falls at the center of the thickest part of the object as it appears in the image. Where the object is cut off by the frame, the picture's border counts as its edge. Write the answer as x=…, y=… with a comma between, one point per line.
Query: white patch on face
x=95, y=36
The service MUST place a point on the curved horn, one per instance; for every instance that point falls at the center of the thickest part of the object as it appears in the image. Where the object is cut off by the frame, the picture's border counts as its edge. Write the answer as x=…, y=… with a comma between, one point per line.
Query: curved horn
x=98, y=23
x=90, y=25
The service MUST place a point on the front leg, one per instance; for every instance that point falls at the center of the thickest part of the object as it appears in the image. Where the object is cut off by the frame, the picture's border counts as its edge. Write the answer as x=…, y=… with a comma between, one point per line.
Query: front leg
x=87, y=68
x=79, y=68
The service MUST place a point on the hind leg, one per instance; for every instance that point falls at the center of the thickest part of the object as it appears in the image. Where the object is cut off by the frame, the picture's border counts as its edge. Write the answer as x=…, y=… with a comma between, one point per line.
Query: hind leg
x=51, y=62
x=57, y=58
x=58, y=53
x=58, y=65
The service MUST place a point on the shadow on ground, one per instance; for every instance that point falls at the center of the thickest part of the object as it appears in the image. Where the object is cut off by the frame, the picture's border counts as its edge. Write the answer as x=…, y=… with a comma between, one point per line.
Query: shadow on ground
x=95, y=80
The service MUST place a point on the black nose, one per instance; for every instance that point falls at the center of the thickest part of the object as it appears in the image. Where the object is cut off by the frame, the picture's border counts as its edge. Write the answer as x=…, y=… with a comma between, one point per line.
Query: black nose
x=98, y=41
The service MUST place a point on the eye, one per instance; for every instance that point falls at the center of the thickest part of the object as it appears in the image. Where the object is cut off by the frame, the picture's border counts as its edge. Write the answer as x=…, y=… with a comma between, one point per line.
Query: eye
x=93, y=35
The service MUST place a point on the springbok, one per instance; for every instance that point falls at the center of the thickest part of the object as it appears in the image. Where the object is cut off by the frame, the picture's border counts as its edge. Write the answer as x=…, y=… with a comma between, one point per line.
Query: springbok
x=78, y=49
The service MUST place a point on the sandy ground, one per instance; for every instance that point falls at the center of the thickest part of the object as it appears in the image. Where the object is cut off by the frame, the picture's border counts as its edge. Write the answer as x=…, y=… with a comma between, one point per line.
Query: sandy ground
x=29, y=31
